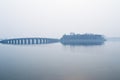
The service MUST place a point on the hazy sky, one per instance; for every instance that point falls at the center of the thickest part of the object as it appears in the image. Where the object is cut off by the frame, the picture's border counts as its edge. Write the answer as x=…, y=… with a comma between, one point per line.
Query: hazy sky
x=53, y=18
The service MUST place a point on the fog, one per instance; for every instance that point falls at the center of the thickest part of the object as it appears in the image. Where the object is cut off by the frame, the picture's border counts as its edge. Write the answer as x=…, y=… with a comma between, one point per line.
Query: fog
x=53, y=18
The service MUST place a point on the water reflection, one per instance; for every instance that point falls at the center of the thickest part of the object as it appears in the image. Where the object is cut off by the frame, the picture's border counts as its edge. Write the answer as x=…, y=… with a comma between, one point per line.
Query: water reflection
x=83, y=43
x=57, y=62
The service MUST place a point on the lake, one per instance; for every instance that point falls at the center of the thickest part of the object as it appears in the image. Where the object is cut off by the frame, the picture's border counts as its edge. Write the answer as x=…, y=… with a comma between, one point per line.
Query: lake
x=60, y=62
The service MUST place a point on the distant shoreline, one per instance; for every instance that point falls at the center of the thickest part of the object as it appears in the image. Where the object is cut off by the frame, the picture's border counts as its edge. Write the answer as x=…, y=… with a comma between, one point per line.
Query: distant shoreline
x=113, y=38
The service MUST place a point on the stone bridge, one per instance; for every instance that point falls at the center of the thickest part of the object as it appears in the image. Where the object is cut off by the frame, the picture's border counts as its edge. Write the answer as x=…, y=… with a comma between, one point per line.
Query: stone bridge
x=29, y=41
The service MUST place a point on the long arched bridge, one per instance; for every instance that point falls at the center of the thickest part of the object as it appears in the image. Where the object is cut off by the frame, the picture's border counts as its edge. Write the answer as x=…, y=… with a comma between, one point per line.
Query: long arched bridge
x=29, y=41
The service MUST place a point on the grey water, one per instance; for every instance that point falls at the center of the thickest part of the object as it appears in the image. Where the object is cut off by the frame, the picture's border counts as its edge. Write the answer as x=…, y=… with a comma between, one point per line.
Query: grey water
x=60, y=62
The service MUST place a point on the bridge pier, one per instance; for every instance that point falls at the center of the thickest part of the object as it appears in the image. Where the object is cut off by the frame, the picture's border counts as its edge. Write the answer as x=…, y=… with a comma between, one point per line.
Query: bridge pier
x=36, y=41
x=16, y=41
x=28, y=42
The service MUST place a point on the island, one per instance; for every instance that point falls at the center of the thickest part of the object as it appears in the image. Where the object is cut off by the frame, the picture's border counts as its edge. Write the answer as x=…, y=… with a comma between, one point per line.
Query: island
x=83, y=39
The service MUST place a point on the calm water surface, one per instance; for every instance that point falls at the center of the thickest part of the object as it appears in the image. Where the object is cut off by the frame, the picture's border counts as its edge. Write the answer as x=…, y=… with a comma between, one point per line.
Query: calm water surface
x=59, y=62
